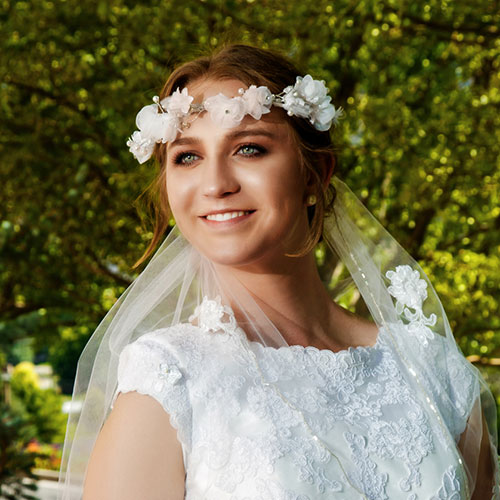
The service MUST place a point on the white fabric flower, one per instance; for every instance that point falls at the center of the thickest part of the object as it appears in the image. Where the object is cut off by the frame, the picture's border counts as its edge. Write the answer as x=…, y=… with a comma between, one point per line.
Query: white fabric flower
x=313, y=91
x=169, y=126
x=309, y=98
x=146, y=121
x=323, y=115
x=178, y=103
x=141, y=147
x=155, y=125
x=295, y=104
x=225, y=112
x=258, y=101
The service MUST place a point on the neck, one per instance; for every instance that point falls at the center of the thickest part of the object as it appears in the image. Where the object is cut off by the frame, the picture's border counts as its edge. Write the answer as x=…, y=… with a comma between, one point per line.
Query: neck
x=293, y=297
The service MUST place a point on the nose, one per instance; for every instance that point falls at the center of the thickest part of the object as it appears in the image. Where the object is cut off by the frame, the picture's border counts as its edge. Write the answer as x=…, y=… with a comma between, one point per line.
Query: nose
x=219, y=179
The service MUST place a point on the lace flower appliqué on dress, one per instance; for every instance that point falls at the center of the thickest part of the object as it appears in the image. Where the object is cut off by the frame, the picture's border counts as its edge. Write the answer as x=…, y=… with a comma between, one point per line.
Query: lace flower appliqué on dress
x=212, y=316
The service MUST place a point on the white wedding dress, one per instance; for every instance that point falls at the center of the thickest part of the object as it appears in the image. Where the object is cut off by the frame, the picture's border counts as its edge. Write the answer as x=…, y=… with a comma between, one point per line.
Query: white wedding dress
x=254, y=421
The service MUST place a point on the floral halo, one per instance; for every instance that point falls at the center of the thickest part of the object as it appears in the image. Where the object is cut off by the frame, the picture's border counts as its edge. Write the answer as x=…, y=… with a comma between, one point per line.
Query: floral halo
x=160, y=122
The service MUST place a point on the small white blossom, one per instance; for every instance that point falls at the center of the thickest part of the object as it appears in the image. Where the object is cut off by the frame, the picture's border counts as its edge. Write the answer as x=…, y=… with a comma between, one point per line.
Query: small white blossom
x=170, y=373
x=323, y=115
x=258, y=101
x=213, y=316
x=178, y=103
x=225, y=112
x=142, y=148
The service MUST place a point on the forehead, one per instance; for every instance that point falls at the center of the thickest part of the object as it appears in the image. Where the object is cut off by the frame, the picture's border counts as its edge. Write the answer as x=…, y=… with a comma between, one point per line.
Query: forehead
x=208, y=87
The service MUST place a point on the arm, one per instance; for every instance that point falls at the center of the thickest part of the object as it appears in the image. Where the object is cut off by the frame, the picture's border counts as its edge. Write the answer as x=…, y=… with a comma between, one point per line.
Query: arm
x=485, y=478
x=137, y=454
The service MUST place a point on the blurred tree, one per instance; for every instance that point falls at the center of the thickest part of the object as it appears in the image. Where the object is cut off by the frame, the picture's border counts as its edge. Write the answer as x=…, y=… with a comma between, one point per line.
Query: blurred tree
x=17, y=481
x=41, y=407
x=420, y=142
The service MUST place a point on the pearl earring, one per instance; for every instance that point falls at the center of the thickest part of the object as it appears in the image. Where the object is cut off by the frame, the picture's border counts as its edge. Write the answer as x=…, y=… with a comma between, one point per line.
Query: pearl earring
x=311, y=200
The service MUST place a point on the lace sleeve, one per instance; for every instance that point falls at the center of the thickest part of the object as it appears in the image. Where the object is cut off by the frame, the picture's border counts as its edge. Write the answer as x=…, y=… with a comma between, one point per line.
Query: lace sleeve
x=150, y=366
x=451, y=379
x=463, y=390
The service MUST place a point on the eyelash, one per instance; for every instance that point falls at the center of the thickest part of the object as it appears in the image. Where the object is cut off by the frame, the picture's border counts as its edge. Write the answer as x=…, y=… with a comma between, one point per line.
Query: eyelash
x=178, y=158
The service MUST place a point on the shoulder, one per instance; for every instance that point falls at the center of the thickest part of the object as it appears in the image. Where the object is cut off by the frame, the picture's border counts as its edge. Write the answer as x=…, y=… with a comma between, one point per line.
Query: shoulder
x=171, y=337
x=172, y=357
x=179, y=342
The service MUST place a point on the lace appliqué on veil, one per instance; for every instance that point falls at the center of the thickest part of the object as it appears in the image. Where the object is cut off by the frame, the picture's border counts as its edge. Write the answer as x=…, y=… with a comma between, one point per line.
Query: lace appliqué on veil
x=410, y=292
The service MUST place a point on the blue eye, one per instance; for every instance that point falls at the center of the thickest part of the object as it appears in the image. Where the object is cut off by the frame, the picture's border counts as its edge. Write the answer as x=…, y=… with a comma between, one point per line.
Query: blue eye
x=185, y=158
x=251, y=150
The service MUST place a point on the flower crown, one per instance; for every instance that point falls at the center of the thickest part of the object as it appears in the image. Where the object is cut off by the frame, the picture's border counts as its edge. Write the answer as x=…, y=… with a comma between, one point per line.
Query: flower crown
x=160, y=122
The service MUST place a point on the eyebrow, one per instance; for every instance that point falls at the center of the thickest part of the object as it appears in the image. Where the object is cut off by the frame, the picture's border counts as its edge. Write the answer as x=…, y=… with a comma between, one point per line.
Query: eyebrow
x=237, y=134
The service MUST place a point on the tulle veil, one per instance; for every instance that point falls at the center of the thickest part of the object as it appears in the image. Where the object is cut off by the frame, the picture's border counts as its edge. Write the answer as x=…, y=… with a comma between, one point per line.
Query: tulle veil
x=360, y=257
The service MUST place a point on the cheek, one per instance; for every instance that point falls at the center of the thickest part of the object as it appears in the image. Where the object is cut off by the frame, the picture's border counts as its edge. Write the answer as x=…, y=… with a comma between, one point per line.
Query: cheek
x=286, y=190
x=279, y=178
x=180, y=191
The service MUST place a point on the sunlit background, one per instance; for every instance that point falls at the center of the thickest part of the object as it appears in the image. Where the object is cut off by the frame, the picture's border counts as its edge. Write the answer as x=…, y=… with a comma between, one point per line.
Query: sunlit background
x=420, y=143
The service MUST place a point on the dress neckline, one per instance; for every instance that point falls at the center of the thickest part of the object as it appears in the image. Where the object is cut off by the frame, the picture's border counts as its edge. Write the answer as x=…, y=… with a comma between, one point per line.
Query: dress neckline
x=324, y=350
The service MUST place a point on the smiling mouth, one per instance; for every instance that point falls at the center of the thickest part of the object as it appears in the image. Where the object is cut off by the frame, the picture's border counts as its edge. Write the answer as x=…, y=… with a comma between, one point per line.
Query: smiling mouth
x=220, y=217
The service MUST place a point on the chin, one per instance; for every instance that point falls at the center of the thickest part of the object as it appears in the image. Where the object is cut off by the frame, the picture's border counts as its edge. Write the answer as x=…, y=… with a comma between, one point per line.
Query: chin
x=234, y=255
x=228, y=258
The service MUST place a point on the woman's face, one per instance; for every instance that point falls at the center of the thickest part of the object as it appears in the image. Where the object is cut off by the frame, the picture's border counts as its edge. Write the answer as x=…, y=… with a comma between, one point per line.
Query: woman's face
x=238, y=195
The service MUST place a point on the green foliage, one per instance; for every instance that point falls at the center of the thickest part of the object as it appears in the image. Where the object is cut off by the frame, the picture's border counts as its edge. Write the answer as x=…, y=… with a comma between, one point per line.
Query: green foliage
x=420, y=143
x=17, y=482
x=64, y=354
x=41, y=407
x=22, y=350
x=24, y=379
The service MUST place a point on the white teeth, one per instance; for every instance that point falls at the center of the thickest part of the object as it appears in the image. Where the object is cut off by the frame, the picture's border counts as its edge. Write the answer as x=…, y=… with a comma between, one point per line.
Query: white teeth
x=226, y=216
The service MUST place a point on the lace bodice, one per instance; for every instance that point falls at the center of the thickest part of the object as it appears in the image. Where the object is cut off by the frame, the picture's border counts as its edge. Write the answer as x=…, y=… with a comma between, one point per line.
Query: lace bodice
x=299, y=423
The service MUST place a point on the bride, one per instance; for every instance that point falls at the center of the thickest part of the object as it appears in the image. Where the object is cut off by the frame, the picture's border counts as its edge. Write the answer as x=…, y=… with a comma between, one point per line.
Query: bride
x=226, y=370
